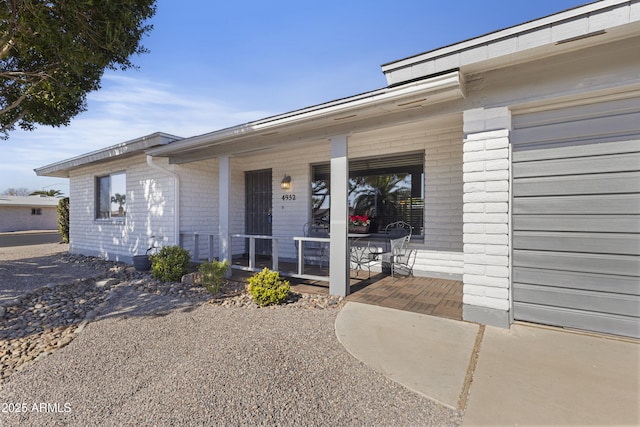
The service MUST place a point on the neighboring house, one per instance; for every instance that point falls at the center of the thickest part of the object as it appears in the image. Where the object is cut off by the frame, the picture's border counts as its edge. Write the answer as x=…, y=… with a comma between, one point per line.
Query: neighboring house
x=519, y=152
x=20, y=213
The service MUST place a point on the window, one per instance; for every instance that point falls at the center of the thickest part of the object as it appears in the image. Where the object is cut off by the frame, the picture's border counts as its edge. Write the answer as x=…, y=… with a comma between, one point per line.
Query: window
x=36, y=211
x=387, y=189
x=111, y=201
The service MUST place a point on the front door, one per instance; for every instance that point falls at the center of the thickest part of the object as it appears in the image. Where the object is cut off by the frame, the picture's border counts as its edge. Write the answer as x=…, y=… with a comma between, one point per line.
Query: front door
x=258, y=208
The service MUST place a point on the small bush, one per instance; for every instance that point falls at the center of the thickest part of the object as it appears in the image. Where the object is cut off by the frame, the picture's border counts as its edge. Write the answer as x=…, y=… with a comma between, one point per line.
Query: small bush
x=170, y=264
x=266, y=288
x=213, y=274
x=63, y=219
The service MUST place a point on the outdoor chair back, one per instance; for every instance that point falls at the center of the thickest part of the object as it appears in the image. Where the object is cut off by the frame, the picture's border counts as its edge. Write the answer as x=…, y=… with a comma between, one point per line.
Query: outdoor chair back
x=400, y=258
x=316, y=252
x=398, y=229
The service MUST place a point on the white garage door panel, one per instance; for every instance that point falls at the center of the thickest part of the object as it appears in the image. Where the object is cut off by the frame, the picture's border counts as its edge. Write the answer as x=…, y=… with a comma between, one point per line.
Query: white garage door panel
x=578, y=319
x=623, y=146
x=597, y=302
x=585, y=223
x=576, y=217
x=628, y=285
x=611, y=204
x=600, y=243
x=623, y=265
x=584, y=184
x=580, y=165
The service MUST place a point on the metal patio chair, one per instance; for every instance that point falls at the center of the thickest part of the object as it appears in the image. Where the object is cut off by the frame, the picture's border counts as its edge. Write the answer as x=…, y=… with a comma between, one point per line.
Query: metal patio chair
x=316, y=252
x=362, y=256
x=400, y=259
x=398, y=229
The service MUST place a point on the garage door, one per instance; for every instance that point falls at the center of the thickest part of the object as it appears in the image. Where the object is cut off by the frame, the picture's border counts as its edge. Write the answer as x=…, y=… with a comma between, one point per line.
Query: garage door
x=576, y=217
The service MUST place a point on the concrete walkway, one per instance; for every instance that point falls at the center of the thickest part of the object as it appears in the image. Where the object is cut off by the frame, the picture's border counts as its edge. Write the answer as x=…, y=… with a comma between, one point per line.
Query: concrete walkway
x=526, y=375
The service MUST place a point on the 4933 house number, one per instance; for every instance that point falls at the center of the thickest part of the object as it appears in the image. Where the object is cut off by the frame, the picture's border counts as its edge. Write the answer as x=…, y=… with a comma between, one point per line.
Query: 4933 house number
x=288, y=197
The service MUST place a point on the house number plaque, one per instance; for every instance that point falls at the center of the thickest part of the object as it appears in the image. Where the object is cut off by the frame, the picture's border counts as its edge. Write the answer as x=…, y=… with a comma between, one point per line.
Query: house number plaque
x=288, y=197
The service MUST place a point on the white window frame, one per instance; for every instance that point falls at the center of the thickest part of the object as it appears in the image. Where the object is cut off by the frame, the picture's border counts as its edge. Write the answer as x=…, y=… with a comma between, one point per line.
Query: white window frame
x=108, y=215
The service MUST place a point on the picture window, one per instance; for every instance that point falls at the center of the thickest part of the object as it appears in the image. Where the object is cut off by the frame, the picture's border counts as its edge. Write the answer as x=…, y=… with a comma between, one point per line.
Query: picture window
x=111, y=200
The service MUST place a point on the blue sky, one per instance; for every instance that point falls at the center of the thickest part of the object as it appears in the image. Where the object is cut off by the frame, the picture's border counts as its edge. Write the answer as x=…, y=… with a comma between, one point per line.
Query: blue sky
x=215, y=64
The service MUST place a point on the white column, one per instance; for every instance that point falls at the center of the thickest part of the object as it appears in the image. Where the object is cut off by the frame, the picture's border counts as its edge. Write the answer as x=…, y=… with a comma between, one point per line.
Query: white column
x=224, y=207
x=339, y=245
x=486, y=172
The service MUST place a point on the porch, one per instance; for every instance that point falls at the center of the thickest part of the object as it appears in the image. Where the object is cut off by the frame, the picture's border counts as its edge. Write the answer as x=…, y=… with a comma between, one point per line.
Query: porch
x=423, y=295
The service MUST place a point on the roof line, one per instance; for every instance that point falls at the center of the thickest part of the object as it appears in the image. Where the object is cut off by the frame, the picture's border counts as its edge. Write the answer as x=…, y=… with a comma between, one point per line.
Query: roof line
x=504, y=33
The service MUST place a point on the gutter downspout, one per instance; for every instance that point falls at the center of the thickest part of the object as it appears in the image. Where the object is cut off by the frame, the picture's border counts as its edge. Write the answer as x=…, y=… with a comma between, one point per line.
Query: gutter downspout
x=176, y=183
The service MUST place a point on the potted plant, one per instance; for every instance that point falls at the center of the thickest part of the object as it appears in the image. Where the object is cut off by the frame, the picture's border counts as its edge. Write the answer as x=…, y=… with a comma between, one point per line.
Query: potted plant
x=143, y=262
x=359, y=223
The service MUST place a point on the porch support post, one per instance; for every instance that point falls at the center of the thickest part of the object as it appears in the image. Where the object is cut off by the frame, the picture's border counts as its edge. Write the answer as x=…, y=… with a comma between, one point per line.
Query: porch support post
x=224, y=207
x=339, y=244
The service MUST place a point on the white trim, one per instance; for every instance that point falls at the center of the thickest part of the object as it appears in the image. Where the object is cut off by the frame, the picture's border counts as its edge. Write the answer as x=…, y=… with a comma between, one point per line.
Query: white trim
x=128, y=148
x=514, y=32
x=379, y=101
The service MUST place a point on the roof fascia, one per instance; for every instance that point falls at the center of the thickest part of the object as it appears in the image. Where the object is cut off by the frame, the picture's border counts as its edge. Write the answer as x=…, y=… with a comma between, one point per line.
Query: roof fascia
x=342, y=109
x=124, y=149
x=513, y=32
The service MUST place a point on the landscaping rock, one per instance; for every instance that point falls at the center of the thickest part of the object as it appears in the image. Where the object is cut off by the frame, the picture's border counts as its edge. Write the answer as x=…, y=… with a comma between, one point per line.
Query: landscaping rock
x=107, y=282
x=45, y=319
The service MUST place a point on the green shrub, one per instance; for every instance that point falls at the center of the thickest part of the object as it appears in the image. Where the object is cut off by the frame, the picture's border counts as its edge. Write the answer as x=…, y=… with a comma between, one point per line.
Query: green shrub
x=170, y=264
x=266, y=288
x=63, y=219
x=213, y=274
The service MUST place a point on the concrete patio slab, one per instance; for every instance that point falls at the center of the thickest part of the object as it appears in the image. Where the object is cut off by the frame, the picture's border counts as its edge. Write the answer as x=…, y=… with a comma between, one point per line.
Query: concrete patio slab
x=540, y=376
x=429, y=355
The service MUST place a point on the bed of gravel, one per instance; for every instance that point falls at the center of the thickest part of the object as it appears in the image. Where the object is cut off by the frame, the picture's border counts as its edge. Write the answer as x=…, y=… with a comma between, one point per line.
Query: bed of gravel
x=37, y=323
x=117, y=347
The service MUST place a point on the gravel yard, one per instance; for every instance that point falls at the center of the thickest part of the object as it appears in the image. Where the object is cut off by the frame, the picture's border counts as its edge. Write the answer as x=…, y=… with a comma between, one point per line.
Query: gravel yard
x=157, y=354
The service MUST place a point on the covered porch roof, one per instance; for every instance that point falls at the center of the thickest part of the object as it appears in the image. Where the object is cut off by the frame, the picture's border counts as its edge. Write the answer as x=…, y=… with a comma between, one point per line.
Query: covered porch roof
x=368, y=111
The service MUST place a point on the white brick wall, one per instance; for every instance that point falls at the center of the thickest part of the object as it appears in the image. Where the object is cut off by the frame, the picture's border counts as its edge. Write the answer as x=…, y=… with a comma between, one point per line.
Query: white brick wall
x=443, y=174
x=486, y=209
x=440, y=263
x=441, y=251
x=150, y=199
x=288, y=216
x=150, y=211
x=199, y=193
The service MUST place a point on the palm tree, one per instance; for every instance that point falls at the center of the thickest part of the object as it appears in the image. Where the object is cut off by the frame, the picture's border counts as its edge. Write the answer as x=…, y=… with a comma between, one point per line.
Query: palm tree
x=48, y=193
x=380, y=196
x=120, y=199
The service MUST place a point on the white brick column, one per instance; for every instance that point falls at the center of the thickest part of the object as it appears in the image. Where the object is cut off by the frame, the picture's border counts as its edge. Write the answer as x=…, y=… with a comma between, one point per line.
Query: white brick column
x=486, y=174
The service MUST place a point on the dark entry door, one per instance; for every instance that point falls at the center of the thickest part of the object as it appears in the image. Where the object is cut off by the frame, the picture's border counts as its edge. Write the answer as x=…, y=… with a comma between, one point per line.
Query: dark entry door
x=258, y=208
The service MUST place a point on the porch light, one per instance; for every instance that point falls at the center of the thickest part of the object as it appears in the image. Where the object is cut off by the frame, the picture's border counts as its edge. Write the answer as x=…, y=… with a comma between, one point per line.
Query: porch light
x=285, y=184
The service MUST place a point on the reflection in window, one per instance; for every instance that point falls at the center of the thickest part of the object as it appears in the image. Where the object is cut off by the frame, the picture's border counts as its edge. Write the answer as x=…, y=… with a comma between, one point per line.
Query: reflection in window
x=387, y=189
x=111, y=200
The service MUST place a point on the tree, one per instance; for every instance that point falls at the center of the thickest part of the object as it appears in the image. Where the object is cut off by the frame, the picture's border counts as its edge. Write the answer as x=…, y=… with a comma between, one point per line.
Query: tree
x=53, y=53
x=63, y=219
x=48, y=193
x=379, y=195
x=120, y=199
x=16, y=192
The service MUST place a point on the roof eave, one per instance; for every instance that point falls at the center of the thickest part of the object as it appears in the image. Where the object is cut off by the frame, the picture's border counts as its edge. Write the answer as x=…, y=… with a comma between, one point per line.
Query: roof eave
x=139, y=145
x=581, y=22
x=435, y=89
